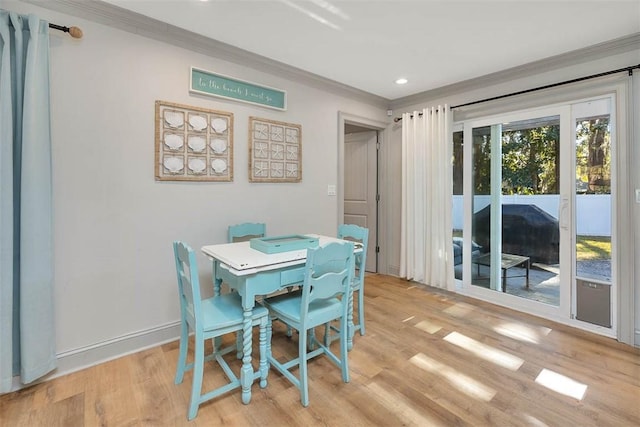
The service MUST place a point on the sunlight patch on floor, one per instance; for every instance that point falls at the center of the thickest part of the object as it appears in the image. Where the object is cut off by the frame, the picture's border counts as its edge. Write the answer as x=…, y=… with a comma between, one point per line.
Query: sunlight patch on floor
x=484, y=351
x=408, y=318
x=463, y=383
x=396, y=404
x=561, y=384
x=533, y=421
x=522, y=332
x=459, y=309
x=428, y=327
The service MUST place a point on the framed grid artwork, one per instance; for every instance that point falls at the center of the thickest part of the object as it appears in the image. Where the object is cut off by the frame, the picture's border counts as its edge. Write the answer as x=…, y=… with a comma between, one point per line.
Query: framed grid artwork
x=275, y=151
x=193, y=144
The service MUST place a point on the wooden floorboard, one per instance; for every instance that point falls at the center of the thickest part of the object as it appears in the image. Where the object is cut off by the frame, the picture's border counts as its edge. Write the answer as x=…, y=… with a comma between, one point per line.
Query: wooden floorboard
x=429, y=358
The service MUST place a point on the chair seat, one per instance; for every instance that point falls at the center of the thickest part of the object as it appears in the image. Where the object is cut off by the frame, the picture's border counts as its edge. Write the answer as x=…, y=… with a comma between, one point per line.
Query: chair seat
x=287, y=308
x=225, y=311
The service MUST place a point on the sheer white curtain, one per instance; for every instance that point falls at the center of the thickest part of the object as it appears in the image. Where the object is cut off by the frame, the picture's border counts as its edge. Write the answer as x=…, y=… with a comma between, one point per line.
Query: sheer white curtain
x=426, y=253
x=27, y=341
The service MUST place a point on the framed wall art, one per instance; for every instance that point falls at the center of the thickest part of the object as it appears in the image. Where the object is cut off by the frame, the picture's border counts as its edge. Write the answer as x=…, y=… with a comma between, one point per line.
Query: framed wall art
x=275, y=151
x=193, y=144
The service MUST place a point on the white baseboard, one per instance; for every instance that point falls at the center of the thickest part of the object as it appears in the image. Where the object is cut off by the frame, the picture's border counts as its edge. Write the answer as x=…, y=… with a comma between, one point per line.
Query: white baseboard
x=394, y=270
x=94, y=354
x=637, y=338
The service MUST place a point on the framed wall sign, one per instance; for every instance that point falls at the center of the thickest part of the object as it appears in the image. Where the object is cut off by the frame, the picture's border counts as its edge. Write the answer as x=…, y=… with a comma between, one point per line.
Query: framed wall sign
x=275, y=151
x=213, y=84
x=193, y=144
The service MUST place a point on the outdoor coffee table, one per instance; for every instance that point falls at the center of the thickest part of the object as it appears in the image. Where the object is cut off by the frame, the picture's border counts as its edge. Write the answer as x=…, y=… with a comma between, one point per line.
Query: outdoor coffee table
x=507, y=261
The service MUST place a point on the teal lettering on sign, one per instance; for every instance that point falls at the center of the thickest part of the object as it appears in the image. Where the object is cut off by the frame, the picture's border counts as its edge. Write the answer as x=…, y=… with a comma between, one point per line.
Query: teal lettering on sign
x=208, y=83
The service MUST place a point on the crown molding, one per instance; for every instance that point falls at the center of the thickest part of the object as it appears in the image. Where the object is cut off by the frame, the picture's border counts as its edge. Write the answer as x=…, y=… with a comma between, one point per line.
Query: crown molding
x=579, y=56
x=116, y=17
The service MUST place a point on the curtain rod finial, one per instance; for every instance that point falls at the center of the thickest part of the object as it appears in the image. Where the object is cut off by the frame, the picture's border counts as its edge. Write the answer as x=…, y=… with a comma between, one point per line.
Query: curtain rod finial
x=75, y=32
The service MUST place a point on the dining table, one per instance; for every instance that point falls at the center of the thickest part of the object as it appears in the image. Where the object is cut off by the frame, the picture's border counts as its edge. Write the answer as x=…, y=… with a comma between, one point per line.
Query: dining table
x=253, y=273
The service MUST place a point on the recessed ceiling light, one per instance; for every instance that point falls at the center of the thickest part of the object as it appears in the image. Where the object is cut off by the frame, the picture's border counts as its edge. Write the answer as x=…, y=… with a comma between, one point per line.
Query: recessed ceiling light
x=401, y=81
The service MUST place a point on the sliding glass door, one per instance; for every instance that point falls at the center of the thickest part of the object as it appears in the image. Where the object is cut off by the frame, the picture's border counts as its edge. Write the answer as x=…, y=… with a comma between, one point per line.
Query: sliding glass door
x=532, y=210
x=514, y=203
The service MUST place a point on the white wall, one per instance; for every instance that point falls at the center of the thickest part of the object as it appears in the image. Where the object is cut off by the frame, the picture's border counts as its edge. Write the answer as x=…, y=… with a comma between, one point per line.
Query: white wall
x=114, y=224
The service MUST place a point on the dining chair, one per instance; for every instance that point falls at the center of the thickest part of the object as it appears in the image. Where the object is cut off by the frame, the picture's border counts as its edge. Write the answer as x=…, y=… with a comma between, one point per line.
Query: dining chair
x=359, y=235
x=246, y=231
x=209, y=319
x=323, y=298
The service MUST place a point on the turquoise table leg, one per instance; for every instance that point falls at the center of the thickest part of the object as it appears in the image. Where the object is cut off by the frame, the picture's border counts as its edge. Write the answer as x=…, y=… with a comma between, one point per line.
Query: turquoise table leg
x=217, y=283
x=350, y=327
x=246, y=374
x=264, y=365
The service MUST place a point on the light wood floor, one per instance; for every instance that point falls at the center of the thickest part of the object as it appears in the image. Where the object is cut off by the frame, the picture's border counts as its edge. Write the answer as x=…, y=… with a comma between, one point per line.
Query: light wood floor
x=429, y=358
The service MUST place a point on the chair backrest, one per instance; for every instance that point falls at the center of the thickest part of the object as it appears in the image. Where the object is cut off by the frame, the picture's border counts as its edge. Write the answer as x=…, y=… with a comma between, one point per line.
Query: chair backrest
x=188, y=282
x=360, y=235
x=328, y=273
x=246, y=231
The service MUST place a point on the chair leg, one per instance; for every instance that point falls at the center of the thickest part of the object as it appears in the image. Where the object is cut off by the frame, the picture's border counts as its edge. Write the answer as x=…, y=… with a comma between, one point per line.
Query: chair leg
x=182, y=357
x=350, y=328
x=344, y=353
x=196, y=384
x=302, y=357
x=361, y=309
x=264, y=364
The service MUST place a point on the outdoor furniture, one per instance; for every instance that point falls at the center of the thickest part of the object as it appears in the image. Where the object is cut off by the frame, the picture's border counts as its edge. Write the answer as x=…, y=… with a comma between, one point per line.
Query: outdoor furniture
x=507, y=261
x=457, y=250
x=527, y=230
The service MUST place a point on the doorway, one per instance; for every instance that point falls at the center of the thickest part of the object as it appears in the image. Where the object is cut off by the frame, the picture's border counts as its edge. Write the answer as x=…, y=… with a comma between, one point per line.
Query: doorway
x=361, y=184
x=358, y=177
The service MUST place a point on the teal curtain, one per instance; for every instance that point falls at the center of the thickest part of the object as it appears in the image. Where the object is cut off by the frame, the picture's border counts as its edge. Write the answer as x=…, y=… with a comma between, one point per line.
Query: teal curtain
x=27, y=340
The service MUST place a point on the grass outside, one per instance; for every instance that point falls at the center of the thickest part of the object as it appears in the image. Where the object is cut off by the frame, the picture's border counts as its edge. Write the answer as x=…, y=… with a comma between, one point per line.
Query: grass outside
x=593, y=247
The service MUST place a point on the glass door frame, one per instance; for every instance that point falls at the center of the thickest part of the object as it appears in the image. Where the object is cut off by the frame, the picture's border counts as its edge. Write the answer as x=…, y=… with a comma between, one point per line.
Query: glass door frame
x=579, y=110
x=563, y=310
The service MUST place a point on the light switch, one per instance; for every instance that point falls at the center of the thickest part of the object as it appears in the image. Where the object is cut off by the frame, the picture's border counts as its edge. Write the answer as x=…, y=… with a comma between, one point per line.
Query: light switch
x=637, y=195
x=331, y=190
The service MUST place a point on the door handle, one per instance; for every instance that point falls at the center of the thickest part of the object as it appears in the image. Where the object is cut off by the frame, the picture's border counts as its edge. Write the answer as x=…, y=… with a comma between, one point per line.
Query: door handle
x=564, y=213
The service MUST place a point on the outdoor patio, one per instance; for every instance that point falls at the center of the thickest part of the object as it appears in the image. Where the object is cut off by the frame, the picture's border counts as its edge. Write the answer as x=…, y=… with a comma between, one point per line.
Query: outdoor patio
x=544, y=282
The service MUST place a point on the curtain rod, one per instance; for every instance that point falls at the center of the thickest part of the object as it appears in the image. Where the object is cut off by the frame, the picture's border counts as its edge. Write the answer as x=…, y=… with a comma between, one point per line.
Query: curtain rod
x=74, y=32
x=579, y=79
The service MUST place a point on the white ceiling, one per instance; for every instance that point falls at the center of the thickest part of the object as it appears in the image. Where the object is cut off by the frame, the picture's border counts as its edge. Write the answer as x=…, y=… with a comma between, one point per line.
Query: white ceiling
x=368, y=44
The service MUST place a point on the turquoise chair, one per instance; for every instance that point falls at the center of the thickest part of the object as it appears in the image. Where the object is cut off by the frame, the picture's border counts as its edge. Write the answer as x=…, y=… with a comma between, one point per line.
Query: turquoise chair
x=208, y=319
x=360, y=236
x=323, y=298
x=246, y=231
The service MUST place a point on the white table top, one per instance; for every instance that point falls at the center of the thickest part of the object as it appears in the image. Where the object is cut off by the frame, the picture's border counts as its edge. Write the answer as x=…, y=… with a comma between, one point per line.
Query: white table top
x=241, y=259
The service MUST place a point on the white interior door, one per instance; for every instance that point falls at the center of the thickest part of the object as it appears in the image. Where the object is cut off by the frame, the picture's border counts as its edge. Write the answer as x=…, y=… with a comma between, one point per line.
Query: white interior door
x=360, y=186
